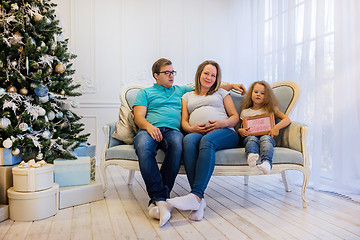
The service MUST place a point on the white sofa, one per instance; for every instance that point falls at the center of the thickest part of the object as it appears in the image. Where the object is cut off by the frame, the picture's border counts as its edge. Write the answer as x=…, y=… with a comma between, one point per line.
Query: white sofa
x=290, y=152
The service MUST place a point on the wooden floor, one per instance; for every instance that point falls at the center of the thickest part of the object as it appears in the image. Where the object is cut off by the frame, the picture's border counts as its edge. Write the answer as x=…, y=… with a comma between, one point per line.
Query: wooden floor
x=261, y=210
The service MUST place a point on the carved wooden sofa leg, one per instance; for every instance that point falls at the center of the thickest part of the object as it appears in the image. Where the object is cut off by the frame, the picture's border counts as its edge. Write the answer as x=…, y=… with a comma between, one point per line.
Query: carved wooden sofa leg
x=285, y=181
x=131, y=177
x=246, y=180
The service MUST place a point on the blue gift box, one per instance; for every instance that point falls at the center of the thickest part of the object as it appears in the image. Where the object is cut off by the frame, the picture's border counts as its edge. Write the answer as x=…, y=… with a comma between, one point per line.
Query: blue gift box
x=85, y=150
x=72, y=172
x=7, y=158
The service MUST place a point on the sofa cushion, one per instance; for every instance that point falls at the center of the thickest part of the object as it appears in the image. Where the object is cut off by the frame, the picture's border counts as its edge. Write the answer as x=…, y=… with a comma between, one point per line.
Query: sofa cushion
x=234, y=156
x=125, y=128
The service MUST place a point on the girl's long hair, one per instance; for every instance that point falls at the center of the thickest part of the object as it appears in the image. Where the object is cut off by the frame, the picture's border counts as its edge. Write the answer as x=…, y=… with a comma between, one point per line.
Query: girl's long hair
x=217, y=82
x=270, y=103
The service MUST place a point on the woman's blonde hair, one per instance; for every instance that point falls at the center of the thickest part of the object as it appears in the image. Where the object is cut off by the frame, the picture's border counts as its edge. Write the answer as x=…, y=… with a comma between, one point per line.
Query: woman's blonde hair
x=270, y=103
x=217, y=82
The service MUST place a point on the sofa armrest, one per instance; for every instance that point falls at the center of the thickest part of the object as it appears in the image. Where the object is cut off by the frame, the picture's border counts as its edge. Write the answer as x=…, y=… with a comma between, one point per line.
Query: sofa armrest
x=293, y=137
x=108, y=130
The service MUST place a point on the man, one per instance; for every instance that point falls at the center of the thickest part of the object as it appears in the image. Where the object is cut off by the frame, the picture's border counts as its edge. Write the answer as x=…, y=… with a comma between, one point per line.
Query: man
x=157, y=112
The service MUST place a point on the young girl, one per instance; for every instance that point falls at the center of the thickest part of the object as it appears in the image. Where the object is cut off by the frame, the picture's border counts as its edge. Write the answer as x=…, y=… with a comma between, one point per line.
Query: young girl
x=260, y=99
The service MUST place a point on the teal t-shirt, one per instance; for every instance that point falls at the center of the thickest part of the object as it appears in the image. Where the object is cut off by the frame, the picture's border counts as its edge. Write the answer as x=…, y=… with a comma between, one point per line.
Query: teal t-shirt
x=163, y=104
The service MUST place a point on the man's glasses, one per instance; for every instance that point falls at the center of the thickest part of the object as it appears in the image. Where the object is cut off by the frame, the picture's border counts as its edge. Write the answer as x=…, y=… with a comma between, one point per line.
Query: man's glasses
x=168, y=73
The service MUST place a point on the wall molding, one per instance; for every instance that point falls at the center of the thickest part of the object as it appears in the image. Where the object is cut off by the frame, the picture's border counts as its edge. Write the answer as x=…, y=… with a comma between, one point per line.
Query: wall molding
x=99, y=104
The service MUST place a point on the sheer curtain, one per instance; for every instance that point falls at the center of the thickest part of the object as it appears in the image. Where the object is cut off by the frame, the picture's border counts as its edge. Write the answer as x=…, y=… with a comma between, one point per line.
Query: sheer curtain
x=316, y=43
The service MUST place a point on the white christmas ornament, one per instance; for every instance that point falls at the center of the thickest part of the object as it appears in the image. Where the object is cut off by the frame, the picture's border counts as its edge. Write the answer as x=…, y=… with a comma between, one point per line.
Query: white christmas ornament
x=4, y=122
x=44, y=99
x=40, y=156
x=46, y=134
x=14, y=6
x=7, y=143
x=23, y=126
x=66, y=106
x=41, y=111
x=51, y=115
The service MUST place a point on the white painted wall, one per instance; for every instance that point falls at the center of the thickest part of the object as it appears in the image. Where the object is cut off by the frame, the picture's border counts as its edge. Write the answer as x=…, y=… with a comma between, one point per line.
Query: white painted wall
x=117, y=42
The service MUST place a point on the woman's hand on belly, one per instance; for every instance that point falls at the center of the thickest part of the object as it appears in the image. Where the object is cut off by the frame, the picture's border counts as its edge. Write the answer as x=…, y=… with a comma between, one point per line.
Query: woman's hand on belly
x=198, y=128
x=215, y=125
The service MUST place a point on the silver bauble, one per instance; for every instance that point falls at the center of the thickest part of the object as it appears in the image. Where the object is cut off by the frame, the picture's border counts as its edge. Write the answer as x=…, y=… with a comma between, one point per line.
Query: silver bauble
x=44, y=99
x=4, y=122
x=7, y=143
x=23, y=126
x=51, y=115
x=41, y=111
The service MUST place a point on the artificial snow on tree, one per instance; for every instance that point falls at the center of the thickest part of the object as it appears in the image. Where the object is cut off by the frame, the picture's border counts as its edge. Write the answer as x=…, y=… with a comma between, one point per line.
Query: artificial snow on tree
x=36, y=83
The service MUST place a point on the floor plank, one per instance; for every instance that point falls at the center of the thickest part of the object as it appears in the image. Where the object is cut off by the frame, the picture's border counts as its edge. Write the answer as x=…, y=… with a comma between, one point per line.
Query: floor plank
x=119, y=219
x=40, y=229
x=61, y=225
x=81, y=222
x=138, y=219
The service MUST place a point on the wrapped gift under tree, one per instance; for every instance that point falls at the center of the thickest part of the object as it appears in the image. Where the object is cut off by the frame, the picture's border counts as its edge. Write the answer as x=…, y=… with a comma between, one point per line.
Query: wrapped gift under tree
x=85, y=150
x=6, y=181
x=72, y=172
x=9, y=157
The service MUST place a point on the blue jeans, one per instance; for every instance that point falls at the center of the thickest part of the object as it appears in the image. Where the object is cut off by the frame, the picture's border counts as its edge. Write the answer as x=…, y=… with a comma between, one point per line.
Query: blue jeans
x=159, y=182
x=264, y=143
x=199, y=156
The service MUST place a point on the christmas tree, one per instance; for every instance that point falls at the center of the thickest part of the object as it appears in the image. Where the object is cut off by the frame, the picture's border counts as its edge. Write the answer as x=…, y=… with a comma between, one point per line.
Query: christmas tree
x=36, y=119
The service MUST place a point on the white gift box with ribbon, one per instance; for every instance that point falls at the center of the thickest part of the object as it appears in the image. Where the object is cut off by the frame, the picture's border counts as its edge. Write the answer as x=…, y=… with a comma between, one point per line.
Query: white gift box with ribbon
x=32, y=206
x=33, y=176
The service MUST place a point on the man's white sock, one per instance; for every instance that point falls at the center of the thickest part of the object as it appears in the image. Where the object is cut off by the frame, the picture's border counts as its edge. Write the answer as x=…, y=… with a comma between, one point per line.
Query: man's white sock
x=187, y=202
x=164, y=210
x=154, y=211
x=198, y=214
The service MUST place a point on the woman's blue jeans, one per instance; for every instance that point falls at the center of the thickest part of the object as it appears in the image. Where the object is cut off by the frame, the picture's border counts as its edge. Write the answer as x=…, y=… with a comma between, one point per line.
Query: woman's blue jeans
x=265, y=144
x=159, y=182
x=199, y=156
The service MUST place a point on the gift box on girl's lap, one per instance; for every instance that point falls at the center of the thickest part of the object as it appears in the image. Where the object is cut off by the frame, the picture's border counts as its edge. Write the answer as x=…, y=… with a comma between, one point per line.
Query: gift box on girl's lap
x=7, y=158
x=72, y=172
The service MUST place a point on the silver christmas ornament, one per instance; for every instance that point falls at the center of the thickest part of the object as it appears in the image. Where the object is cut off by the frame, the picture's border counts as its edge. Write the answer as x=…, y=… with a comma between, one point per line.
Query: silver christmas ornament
x=51, y=115
x=4, y=122
x=46, y=134
x=39, y=156
x=66, y=106
x=44, y=99
x=7, y=143
x=41, y=111
x=23, y=126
